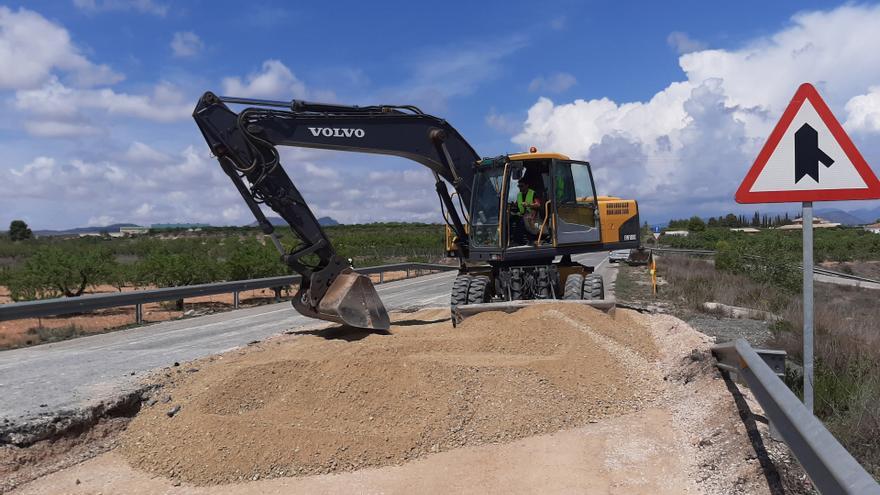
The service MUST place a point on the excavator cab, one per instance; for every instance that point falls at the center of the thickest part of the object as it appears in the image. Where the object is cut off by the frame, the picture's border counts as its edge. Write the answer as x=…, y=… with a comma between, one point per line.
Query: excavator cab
x=532, y=202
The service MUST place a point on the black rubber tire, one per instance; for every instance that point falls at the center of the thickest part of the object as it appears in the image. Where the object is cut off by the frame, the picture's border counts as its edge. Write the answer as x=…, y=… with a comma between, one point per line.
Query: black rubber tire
x=573, y=287
x=460, y=288
x=594, y=287
x=478, y=292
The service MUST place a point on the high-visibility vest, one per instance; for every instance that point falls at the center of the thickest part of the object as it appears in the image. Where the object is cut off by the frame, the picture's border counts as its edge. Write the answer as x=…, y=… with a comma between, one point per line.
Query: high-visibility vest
x=530, y=198
x=560, y=188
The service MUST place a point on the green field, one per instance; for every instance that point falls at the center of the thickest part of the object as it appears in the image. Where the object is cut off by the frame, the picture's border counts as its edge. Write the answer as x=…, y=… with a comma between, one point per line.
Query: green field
x=829, y=244
x=52, y=267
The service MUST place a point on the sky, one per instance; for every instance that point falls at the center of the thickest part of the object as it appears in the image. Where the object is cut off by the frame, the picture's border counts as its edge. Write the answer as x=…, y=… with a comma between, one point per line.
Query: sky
x=670, y=102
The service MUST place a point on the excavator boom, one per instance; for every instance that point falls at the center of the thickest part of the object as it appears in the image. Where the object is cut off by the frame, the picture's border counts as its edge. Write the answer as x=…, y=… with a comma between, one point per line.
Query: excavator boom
x=245, y=145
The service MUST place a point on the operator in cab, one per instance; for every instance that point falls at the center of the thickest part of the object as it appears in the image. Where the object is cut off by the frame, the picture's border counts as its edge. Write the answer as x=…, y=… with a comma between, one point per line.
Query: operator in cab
x=528, y=207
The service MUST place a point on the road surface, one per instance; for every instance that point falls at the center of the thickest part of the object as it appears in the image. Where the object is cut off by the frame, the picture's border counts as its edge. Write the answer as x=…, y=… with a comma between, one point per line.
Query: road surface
x=54, y=379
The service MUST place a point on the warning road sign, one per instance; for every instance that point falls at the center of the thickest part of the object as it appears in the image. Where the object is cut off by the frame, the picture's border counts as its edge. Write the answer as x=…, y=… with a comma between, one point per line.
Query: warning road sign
x=808, y=157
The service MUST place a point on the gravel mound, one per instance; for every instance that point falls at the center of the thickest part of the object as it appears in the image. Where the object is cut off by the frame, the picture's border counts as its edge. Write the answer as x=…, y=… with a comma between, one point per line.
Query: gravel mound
x=343, y=399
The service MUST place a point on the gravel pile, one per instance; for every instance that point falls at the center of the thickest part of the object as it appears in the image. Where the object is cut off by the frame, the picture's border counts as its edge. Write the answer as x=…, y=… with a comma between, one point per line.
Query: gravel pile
x=341, y=399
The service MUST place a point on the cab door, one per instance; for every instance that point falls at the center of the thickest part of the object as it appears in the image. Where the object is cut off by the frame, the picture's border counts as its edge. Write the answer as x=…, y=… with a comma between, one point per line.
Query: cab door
x=574, y=203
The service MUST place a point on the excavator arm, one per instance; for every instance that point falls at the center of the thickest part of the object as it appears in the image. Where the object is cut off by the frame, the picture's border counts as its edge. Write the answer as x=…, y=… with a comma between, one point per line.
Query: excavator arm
x=245, y=146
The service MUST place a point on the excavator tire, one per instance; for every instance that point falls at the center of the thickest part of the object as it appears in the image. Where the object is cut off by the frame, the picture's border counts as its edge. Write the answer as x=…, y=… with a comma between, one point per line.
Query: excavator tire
x=478, y=292
x=573, y=287
x=594, y=287
x=460, y=289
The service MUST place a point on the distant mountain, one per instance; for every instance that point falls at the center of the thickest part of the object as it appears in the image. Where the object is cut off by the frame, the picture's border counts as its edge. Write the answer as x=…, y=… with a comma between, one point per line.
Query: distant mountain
x=843, y=217
x=84, y=230
x=869, y=215
x=279, y=222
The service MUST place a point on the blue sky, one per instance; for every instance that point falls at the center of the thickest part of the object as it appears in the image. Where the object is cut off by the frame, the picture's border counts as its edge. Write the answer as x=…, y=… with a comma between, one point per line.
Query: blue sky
x=669, y=103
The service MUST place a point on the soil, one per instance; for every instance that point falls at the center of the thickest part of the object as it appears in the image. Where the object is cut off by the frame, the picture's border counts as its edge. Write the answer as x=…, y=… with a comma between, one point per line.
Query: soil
x=32, y=331
x=344, y=399
x=18, y=465
x=634, y=289
x=551, y=399
x=867, y=269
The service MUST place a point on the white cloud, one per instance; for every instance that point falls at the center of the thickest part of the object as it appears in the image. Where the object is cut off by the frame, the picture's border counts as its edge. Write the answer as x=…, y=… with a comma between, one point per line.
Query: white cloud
x=59, y=129
x=684, y=43
x=186, y=44
x=275, y=80
x=148, y=185
x=863, y=111
x=143, y=211
x=57, y=110
x=101, y=221
x=503, y=122
x=688, y=147
x=32, y=48
x=451, y=71
x=554, y=83
x=233, y=214
x=558, y=23
x=142, y=6
x=139, y=152
x=186, y=185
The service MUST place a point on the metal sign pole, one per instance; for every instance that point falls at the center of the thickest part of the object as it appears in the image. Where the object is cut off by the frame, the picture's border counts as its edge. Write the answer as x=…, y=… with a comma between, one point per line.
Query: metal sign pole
x=807, y=217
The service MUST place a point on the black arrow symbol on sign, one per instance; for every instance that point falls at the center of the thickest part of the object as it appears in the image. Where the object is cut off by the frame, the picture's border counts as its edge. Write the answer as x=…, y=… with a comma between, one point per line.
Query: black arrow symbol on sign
x=807, y=154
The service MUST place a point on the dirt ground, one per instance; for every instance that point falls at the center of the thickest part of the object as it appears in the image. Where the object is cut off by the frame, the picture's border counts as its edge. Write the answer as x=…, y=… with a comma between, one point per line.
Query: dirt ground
x=553, y=398
x=32, y=331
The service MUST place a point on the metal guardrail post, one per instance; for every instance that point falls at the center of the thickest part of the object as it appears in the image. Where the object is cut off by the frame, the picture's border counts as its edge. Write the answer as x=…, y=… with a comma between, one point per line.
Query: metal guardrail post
x=382, y=277
x=139, y=314
x=832, y=469
x=235, y=300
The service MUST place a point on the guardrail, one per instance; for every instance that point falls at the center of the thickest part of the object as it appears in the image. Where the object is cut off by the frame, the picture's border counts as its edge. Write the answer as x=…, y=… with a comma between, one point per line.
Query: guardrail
x=831, y=468
x=816, y=270
x=69, y=305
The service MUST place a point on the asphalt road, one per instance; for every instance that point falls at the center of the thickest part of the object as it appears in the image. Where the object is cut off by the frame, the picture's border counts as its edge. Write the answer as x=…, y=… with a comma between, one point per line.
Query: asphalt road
x=49, y=379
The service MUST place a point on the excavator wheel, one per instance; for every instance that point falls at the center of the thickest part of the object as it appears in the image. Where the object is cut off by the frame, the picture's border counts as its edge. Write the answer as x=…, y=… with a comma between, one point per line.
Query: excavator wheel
x=594, y=287
x=574, y=285
x=460, y=289
x=478, y=292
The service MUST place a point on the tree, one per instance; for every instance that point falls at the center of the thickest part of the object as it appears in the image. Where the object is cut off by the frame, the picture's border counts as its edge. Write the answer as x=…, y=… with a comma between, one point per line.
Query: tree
x=696, y=224
x=19, y=231
x=251, y=259
x=52, y=271
x=163, y=268
x=729, y=221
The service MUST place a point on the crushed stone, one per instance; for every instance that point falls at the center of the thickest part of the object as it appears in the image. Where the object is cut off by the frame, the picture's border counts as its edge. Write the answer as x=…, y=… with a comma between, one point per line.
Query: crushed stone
x=342, y=399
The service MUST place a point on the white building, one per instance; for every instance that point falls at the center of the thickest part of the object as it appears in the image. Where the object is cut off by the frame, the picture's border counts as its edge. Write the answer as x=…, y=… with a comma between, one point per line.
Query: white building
x=136, y=230
x=874, y=228
x=818, y=223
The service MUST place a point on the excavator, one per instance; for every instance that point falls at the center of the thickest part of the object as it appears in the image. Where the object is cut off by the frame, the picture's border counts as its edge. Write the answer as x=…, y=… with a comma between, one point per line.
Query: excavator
x=513, y=221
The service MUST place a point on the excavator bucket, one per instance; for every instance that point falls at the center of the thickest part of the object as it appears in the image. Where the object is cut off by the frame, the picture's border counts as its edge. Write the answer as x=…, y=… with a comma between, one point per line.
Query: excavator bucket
x=351, y=300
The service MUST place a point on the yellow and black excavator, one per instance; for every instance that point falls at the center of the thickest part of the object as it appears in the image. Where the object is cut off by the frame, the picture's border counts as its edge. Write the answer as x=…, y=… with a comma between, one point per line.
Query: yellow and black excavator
x=513, y=221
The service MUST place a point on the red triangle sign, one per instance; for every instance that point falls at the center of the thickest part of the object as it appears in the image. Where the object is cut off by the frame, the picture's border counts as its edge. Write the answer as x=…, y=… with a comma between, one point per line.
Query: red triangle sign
x=808, y=157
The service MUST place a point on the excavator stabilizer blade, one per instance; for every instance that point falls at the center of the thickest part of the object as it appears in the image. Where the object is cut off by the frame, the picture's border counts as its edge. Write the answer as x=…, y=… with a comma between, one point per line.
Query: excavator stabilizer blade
x=353, y=300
